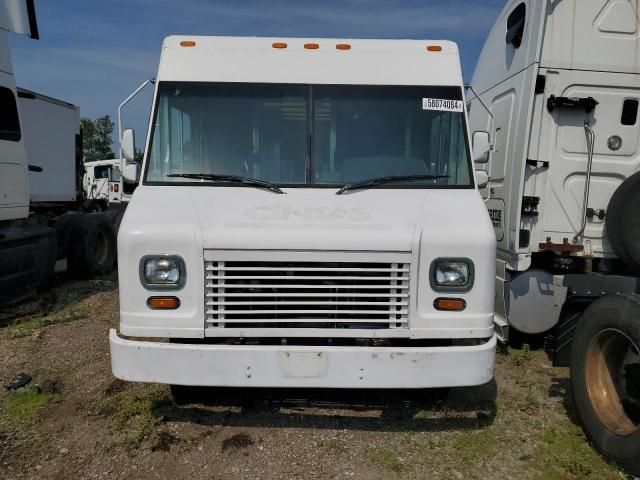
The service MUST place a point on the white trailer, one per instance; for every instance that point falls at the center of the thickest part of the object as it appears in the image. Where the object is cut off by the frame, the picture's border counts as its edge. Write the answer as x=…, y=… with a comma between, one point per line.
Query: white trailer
x=558, y=87
x=51, y=135
x=40, y=193
x=307, y=217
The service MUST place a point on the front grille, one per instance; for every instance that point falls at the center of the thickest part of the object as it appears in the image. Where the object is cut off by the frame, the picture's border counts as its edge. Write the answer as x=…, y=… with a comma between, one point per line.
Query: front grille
x=250, y=294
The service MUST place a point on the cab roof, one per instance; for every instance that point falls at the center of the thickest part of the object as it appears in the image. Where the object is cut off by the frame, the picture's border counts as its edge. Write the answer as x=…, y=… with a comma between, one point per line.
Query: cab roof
x=291, y=60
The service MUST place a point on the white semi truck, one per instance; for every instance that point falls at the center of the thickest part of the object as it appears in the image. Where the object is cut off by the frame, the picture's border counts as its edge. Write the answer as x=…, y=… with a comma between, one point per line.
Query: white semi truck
x=558, y=86
x=307, y=217
x=104, y=185
x=41, y=221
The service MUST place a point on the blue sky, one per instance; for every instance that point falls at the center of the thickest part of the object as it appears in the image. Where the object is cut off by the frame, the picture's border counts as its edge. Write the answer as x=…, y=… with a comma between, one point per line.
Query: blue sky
x=94, y=53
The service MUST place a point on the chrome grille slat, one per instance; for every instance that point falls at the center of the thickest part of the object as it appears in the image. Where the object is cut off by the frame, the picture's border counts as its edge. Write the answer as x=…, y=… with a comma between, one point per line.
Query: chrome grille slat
x=286, y=303
x=307, y=287
x=316, y=294
x=304, y=294
x=303, y=269
x=307, y=320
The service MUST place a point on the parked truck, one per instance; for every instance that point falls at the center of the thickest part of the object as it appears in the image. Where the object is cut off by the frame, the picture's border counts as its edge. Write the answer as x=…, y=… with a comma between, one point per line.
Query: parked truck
x=41, y=221
x=307, y=217
x=104, y=185
x=558, y=89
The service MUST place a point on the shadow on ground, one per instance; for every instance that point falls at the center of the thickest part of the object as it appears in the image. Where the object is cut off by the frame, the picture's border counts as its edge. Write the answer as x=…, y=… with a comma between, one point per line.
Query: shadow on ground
x=63, y=291
x=365, y=410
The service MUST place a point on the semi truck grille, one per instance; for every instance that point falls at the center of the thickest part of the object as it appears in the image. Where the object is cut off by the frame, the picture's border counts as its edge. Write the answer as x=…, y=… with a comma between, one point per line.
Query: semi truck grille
x=248, y=294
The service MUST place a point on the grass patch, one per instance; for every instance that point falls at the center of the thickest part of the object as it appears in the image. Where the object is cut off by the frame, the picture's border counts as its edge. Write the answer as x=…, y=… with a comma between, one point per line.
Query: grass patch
x=384, y=459
x=137, y=412
x=24, y=327
x=60, y=305
x=335, y=447
x=503, y=349
x=565, y=454
x=522, y=356
x=22, y=407
x=473, y=446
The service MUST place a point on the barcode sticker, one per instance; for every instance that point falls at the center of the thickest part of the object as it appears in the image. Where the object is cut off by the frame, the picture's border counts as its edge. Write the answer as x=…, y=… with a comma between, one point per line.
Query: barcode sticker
x=442, y=105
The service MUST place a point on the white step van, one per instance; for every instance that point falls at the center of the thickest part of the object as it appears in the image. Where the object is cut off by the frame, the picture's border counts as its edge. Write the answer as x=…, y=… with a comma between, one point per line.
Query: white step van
x=307, y=216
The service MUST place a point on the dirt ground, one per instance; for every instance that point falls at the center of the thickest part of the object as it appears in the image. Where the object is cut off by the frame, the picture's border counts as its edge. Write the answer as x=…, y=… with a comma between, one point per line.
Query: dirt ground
x=74, y=420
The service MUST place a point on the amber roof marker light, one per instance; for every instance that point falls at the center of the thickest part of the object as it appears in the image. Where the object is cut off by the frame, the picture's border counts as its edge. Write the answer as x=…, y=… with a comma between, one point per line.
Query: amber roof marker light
x=187, y=43
x=343, y=46
x=279, y=45
x=311, y=46
x=434, y=48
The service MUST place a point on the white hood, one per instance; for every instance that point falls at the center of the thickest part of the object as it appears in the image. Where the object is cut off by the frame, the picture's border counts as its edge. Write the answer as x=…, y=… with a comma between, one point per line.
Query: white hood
x=307, y=219
x=419, y=225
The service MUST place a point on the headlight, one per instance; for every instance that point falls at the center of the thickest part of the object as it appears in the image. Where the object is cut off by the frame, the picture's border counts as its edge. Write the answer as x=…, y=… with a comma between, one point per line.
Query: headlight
x=451, y=274
x=162, y=272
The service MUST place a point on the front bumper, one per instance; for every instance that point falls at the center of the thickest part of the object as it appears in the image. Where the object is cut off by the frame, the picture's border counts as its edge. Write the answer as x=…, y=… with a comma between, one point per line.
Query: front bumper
x=301, y=366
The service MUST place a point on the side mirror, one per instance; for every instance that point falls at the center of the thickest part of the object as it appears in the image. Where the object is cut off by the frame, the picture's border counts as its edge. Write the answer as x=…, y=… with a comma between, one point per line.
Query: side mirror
x=130, y=172
x=128, y=145
x=482, y=178
x=481, y=147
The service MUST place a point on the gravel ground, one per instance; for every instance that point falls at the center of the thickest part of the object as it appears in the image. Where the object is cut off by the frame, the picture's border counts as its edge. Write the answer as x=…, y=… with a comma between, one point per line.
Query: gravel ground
x=74, y=420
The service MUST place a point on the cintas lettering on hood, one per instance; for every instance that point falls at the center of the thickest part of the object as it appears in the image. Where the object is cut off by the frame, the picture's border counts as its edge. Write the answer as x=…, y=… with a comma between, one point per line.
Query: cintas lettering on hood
x=311, y=219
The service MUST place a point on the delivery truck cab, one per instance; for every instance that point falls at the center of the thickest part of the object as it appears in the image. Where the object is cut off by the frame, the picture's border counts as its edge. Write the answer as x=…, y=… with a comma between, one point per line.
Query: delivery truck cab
x=307, y=216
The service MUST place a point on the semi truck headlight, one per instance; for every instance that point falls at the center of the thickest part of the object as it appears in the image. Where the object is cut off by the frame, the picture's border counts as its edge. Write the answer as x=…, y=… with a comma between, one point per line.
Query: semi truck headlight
x=162, y=272
x=451, y=274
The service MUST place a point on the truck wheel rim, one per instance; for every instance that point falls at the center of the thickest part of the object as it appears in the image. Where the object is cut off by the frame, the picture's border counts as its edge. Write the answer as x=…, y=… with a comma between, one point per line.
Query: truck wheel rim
x=611, y=357
x=102, y=248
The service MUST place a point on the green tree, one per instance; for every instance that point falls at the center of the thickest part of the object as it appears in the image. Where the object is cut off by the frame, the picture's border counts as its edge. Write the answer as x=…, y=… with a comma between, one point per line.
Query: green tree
x=96, y=138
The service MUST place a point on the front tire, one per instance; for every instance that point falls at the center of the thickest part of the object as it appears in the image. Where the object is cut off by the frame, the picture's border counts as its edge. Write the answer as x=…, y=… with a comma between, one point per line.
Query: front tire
x=605, y=376
x=92, y=246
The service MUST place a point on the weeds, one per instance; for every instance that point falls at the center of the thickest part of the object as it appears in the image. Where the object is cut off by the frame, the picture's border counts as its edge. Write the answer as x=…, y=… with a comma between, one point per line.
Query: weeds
x=24, y=327
x=522, y=356
x=565, y=454
x=385, y=459
x=136, y=412
x=61, y=305
x=22, y=407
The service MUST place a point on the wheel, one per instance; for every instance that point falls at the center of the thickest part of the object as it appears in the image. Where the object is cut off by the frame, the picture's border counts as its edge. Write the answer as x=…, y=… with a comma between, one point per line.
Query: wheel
x=622, y=222
x=93, y=206
x=117, y=221
x=605, y=376
x=64, y=225
x=92, y=246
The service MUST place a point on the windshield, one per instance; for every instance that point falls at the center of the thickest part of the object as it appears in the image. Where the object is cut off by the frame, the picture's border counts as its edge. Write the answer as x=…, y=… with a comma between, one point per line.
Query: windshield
x=301, y=135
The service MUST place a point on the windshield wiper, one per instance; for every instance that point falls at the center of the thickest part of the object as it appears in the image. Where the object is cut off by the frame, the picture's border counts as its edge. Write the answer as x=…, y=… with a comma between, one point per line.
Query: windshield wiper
x=390, y=179
x=214, y=177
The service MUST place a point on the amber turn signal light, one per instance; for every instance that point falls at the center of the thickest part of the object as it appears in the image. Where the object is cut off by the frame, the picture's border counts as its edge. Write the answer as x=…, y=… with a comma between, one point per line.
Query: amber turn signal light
x=163, y=303
x=450, y=304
